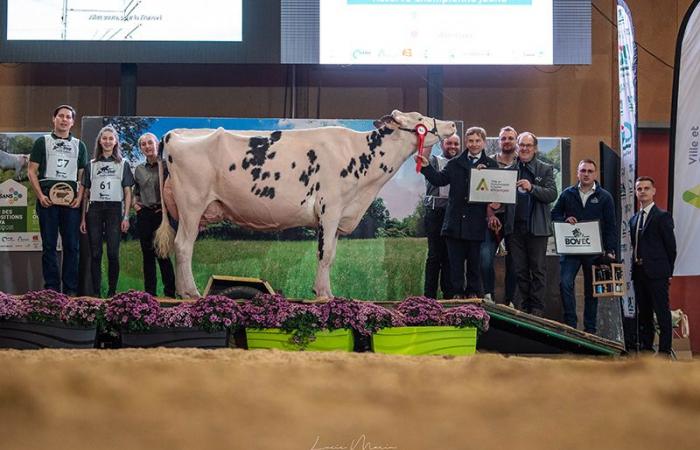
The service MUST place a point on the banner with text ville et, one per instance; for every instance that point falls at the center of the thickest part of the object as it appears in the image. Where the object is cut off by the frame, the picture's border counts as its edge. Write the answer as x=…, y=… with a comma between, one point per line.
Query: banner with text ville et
x=684, y=192
x=627, y=70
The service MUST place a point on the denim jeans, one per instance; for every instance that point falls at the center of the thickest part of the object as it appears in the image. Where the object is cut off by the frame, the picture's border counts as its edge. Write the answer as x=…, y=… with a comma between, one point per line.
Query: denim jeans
x=103, y=222
x=568, y=268
x=66, y=221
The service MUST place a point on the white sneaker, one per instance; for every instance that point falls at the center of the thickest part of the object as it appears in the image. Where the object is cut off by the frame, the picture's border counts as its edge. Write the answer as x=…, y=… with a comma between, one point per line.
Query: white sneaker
x=489, y=299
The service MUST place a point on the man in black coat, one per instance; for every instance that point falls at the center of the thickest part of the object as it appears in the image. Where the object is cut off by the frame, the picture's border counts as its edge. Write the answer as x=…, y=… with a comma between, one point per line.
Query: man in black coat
x=528, y=223
x=654, y=246
x=437, y=265
x=465, y=223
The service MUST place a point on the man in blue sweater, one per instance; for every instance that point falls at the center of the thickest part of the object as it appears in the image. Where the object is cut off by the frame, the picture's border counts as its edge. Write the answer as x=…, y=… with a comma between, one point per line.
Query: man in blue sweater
x=585, y=201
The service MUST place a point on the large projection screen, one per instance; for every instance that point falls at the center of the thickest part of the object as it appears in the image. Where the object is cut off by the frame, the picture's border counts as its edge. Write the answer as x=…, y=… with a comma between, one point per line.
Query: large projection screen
x=140, y=31
x=438, y=32
x=124, y=20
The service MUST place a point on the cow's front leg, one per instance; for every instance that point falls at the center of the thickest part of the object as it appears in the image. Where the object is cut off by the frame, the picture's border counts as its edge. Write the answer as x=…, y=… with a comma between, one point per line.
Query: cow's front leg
x=327, y=239
x=184, y=245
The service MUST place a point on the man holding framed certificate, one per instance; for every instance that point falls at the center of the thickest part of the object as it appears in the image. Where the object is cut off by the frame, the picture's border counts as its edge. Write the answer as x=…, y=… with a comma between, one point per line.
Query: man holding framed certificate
x=584, y=227
x=465, y=222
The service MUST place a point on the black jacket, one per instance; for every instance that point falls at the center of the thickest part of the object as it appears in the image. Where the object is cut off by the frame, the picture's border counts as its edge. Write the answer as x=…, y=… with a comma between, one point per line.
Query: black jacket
x=463, y=220
x=544, y=192
x=657, y=243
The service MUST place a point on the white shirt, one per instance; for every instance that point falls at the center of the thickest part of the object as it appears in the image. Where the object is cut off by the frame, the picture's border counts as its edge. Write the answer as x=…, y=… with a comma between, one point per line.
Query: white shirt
x=646, y=210
x=585, y=195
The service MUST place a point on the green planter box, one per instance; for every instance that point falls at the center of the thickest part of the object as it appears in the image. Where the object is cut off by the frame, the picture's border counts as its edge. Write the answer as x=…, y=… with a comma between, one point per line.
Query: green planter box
x=425, y=341
x=326, y=341
x=32, y=335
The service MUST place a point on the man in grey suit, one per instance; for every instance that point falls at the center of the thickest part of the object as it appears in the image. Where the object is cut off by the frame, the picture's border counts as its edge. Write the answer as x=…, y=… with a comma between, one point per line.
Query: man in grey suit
x=528, y=223
x=654, y=247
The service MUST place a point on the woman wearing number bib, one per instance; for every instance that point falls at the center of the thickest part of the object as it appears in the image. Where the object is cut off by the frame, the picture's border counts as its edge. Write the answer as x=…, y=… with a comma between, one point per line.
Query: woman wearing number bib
x=107, y=182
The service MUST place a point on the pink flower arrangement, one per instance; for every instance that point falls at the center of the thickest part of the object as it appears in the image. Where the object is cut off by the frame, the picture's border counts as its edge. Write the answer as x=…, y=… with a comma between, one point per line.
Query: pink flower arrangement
x=467, y=316
x=132, y=311
x=51, y=306
x=43, y=306
x=86, y=312
x=421, y=311
x=424, y=311
x=215, y=313
x=139, y=311
x=179, y=316
x=302, y=321
x=11, y=307
x=373, y=317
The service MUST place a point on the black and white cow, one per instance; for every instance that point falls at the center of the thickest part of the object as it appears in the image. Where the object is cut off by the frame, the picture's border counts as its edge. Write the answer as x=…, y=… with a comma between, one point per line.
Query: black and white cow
x=322, y=177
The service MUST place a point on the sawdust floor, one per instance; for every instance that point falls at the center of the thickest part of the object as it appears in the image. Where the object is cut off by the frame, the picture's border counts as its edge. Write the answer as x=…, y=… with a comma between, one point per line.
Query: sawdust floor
x=234, y=399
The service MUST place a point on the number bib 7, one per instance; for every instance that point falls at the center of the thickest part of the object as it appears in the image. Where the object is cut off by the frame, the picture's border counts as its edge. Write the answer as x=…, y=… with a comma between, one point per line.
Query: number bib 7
x=106, y=181
x=61, y=159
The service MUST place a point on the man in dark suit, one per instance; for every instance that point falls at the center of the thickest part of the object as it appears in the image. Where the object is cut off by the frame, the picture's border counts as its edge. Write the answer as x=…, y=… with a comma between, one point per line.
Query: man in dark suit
x=654, y=247
x=437, y=266
x=528, y=223
x=465, y=223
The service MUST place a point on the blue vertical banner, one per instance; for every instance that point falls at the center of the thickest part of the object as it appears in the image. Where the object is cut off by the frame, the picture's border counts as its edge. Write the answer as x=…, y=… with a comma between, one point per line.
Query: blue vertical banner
x=684, y=189
x=627, y=71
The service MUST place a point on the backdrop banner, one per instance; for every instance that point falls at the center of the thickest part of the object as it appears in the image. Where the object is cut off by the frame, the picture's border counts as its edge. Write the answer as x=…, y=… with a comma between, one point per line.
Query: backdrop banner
x=684, y=192
x=627, y=71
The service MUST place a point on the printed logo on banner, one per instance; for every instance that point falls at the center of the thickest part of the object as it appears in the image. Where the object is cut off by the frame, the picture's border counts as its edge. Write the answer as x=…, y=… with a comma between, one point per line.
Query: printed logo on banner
x=482, y=186
x=624, y=58
x=13, y=193
x=627, y=75
x=692, y=196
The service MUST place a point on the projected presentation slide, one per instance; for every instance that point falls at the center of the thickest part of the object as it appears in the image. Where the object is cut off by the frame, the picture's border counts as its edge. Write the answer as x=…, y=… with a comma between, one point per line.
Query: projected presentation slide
x=436, y=32
x=124, y=20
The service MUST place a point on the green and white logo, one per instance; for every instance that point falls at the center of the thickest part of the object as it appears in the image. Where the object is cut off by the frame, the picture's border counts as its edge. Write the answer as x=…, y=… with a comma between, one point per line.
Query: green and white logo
x=692, y=196
x=482, y=186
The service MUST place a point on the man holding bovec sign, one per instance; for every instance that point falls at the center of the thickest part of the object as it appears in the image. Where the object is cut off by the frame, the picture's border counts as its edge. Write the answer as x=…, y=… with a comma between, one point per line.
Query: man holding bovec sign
x=585, y=201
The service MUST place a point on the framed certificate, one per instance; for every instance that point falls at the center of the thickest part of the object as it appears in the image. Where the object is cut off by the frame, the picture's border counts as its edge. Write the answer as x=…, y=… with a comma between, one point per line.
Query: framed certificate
x=492, y=185
x=583, y=238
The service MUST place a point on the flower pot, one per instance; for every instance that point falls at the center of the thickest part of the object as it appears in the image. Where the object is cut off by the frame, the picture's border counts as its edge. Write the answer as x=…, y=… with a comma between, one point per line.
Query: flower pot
x=175, y=337
x=326, y=341
x=433, y=340
x=34, y=335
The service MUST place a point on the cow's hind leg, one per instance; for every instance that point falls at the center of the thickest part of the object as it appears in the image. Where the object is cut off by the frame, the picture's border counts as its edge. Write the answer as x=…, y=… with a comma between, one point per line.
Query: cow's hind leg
x=327, y=239
x=187, y=231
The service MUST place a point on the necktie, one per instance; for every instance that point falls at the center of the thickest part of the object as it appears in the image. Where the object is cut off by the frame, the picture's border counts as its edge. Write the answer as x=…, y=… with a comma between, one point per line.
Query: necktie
x=473, y=159
x=640, y=226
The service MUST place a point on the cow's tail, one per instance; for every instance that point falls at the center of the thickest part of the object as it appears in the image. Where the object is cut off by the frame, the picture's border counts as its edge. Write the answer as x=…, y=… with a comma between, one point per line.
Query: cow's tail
x=165, y=234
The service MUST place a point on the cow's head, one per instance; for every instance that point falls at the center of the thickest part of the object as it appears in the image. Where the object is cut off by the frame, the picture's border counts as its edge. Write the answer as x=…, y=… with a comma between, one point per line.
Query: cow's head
x=437, y=129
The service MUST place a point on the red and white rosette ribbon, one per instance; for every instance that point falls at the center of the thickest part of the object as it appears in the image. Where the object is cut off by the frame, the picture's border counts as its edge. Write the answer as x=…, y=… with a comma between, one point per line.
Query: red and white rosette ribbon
x=421, y=131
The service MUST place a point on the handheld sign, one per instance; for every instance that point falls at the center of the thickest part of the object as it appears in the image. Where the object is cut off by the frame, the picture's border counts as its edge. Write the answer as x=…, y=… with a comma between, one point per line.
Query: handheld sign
x=492, y=185
x=583, y=238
